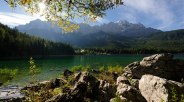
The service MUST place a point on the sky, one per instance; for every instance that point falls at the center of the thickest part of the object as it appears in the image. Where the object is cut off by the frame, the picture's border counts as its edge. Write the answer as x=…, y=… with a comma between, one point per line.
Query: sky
x=165, y=15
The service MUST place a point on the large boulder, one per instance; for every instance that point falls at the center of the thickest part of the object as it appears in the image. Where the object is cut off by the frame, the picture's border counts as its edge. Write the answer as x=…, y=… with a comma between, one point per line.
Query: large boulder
x=127, y=92
x=162, y=65
x=156, y=89
x=86, y=86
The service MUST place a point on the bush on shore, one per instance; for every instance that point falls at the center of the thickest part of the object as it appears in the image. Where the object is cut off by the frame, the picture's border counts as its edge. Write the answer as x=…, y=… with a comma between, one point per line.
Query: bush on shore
x=7, y=74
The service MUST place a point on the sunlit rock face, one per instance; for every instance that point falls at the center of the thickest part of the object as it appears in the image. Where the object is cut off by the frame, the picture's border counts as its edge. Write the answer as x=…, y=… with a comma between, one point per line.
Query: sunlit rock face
x=162, y=65
x=156, y=89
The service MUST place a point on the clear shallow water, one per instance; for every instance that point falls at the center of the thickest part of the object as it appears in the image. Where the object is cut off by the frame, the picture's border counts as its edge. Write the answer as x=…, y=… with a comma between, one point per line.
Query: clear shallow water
x=53, y=67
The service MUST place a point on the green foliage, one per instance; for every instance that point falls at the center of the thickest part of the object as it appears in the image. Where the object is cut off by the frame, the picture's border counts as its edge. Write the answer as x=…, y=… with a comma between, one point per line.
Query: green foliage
x=116, y=68
x=57, y=91
x=64, y=11
x=80, y=68
x=117, y=99
x=102, y=69
x=182, y=98
x=7, y=74
x=174, y=96
x=33, y=69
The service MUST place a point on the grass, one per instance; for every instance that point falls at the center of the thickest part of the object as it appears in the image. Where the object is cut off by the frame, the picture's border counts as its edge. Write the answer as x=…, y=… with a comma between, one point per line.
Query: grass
x=103, y=72
x=110, y=69
x=7, y=74
x=80, y=68
x=117, y=68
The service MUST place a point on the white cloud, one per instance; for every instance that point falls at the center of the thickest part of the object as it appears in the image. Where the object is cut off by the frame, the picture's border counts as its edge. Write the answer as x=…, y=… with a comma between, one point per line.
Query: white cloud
x=156, y=9
x=102, y=20
x=14, y=19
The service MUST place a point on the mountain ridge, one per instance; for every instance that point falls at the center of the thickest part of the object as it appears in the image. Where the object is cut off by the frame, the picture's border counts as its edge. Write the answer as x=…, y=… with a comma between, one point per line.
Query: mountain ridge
x=87, y=35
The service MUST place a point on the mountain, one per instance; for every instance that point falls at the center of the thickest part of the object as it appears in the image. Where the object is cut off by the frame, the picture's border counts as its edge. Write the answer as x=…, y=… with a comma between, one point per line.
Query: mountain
x=41, y=29
x=177, y=35
x=170, y=41
x=16, y=44
x=110, y=35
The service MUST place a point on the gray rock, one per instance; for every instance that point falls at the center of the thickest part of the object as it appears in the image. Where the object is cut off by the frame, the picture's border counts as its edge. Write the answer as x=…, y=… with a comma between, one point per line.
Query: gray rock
x=129, y=93
x=162, y=65
x=55, y=98
x=106, y=90
x=77, y=94
x=122, y=79
x=67, y=73
x=86, y=86
x=135, y=83
x=156, y=89
x=11, y=94
x=59, y=82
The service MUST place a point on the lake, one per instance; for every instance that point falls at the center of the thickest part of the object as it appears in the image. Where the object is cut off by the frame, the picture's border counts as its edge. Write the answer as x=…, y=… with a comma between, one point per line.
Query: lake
x=53, y=66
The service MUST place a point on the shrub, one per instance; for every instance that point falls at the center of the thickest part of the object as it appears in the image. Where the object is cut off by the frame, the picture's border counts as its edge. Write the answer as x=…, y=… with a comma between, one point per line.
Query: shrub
x=116, y=68
x=7, y=74
x=80, y=68
x=33, y=69
x=102, y=69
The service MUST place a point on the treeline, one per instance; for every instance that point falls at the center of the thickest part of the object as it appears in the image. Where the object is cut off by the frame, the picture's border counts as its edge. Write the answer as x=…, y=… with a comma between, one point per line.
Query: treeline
x=16, y=44
x=163, y=42
x=126, y=51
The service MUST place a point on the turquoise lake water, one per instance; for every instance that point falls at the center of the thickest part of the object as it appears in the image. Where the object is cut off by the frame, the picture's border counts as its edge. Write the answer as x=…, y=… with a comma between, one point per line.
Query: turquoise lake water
x=53, y=66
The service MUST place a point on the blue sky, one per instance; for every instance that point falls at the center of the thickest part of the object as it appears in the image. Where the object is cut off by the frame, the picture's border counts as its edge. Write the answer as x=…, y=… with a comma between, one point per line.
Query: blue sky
x=159, y=14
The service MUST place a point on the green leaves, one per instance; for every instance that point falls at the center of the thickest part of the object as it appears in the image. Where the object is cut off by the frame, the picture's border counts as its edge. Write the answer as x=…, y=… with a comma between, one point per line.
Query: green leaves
x=63, y=11
x=7, y=74
x=33, y=69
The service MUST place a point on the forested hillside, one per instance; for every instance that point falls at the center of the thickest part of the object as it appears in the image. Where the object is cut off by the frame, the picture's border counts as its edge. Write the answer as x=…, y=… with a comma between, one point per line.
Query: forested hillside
x=15, y=44
x=170, y=41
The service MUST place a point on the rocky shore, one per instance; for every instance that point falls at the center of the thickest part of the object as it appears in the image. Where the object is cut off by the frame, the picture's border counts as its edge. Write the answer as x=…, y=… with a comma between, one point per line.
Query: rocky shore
x=157, y=78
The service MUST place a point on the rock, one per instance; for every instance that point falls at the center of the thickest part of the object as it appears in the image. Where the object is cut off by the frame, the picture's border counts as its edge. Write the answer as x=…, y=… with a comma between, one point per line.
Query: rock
x=77, y=77
x=86, y=86
x=11, y=94
x=55, y=98
x=122, y=79
x=162, y=65
x=135, y=83
x=92, y=84
x=89, y=79
x=114, y=75
x=59, y=82
x=156, y=89
x=67, y=73
x=1, y=83
x=40, y=85
x=106, y=90
x=77, y=94
x=130, y=93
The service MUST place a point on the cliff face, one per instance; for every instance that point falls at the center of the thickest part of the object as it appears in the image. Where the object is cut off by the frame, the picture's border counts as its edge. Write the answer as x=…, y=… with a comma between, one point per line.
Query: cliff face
x=156, y=78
